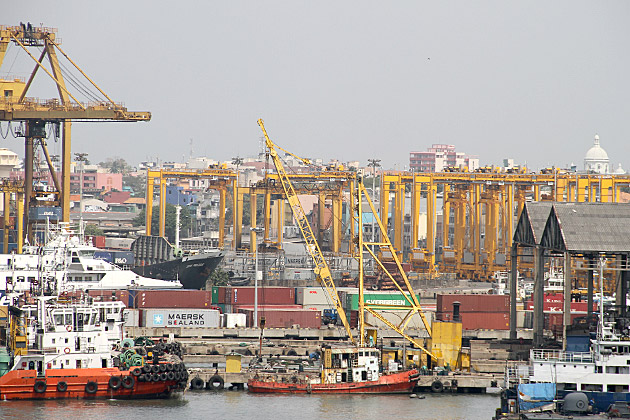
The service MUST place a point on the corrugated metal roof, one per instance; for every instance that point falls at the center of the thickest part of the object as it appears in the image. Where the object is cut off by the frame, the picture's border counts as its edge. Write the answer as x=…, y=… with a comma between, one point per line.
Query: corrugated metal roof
x=588, y=227
x=531, y=223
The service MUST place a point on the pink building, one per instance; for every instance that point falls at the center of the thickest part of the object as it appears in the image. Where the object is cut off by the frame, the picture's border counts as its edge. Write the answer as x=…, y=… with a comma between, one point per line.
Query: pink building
x=440, y=156
x=92, y=181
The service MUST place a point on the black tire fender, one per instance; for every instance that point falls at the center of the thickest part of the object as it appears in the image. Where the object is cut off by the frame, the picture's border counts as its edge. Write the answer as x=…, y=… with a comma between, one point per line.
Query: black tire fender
x=216, y=382
x=136, y=371
x=197, y=383
x=40, y=387
x=91, y=387
x=128, y=382
x=62, y=386
x=437, y=386
x=114, y=382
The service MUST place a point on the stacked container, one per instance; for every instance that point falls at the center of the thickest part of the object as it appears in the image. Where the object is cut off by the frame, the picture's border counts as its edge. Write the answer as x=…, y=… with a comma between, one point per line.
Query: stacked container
x=476, y=312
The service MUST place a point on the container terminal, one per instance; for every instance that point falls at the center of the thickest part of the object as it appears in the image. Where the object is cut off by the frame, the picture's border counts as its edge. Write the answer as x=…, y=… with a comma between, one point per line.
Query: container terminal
x=478, y=246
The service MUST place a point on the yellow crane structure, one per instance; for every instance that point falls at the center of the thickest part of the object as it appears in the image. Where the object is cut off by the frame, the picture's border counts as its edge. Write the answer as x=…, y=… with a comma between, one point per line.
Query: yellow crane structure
x=322, y=271
x=13, y=189
x=479, y=210
x=35, y=114
x=217, y=179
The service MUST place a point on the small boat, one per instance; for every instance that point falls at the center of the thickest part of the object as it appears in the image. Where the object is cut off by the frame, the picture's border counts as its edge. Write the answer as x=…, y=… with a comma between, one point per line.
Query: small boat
x=65, y=351
x=344, y=370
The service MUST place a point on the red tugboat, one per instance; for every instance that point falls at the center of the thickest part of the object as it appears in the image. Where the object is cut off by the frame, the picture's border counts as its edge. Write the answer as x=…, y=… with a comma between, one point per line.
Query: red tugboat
x=59, y=351
x=345, y=370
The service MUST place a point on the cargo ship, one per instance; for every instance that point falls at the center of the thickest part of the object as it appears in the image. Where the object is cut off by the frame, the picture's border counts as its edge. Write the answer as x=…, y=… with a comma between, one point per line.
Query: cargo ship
x=344, y=370
x=156, y=258
x=64, y=350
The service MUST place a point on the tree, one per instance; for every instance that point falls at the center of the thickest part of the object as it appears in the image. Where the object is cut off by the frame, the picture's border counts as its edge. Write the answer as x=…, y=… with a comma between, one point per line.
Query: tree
x=137, y=184
x=219, y=277
x=184, y=221
x=116, y=165
x=93, y=230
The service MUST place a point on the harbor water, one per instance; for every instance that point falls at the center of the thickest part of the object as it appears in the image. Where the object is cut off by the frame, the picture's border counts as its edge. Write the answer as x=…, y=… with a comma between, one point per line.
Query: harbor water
x=236, y=405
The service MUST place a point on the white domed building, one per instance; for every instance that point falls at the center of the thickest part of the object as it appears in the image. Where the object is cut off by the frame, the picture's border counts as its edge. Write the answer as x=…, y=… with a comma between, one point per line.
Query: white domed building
x=596, y=159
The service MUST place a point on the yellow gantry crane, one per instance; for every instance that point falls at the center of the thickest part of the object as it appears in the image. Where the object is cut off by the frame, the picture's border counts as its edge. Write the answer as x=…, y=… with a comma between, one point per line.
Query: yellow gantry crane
x=36, y=114
x=322, y=271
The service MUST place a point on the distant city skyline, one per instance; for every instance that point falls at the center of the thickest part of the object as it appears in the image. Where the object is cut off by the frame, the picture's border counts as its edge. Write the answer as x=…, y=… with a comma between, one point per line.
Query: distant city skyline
x=531, y=81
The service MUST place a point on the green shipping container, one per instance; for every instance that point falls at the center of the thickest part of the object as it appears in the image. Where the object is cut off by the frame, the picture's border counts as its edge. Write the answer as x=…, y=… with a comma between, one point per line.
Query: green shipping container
x=215, y=295
x=352, y=300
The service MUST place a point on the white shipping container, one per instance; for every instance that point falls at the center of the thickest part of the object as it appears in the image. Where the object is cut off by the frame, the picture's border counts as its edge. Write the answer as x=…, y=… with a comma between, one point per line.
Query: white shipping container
x=181, y=318
x=235, y=320
x=131, y=317
x=318, y=295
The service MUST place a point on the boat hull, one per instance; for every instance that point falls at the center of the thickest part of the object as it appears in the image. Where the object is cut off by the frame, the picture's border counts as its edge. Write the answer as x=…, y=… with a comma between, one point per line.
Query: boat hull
x=81, y=383
x=191, y=271
x=398, y=383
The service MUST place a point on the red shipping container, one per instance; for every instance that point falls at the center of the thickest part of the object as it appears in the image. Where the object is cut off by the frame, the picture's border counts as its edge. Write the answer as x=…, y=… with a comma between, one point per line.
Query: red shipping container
x=108, y=295
x=553, y=320
x=97, y=241
x=285, y=318
x=473, y=303
x=266, y=295
x=221, y=295
x=559, y=306
x=193, y=299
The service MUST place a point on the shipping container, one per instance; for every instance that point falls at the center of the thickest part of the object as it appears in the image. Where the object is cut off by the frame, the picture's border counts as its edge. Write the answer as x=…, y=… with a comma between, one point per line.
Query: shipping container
x=234, y=320
x=215, y=295
x=266, y=295
x=118, y=243
x=132, y=317
x=376, y=298
x=180, y=318
x=97, y=241
x=395, y=317
x=473, y=303
x=121, y=258
x=43, y=213
x=318, y=295
x=479, y=320
x=173, y=299
x=285, y=318
x=559, y=306
x=125, y=296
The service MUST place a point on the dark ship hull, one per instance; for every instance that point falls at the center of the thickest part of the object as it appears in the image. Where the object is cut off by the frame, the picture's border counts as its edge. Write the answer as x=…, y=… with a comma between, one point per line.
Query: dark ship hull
x=156, y=258
x=192, y=271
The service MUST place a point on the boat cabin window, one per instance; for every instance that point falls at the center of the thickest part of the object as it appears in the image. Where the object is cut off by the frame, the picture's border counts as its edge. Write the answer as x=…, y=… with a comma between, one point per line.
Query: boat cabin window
x=68, y=319
x=58, y=319
x=591, y=387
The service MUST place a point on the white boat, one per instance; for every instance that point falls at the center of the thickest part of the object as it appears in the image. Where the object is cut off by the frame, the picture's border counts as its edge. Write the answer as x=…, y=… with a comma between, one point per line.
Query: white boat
x=66, y=263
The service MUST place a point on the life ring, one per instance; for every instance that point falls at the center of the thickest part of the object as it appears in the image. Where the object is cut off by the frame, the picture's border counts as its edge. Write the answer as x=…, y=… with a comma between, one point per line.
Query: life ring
x=69, y=328
x=437, y=386
x=114, y=382
x=91, y=387
x=128, y=382
x=216, y=382
x=66, y=350
x=62, y=386
x=39, y=387
x=197, y=383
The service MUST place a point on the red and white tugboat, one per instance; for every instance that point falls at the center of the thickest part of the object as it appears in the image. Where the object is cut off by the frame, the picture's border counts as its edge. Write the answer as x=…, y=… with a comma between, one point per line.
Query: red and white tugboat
x=64, y=350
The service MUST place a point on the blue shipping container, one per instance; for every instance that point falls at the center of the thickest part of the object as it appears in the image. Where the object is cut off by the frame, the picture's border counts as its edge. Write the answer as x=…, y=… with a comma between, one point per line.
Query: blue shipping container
x=42, y=213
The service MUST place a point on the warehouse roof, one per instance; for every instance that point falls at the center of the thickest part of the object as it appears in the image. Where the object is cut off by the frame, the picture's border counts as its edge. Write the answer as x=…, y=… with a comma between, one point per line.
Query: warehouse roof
x=531, y=223
x=588, y=228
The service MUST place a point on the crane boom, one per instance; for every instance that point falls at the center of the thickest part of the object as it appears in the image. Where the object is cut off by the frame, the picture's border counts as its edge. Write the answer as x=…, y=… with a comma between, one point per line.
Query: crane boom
x=322, y=271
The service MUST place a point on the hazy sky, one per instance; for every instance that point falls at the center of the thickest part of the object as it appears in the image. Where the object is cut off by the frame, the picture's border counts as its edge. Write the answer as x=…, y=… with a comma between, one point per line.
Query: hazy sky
x=352, y=80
